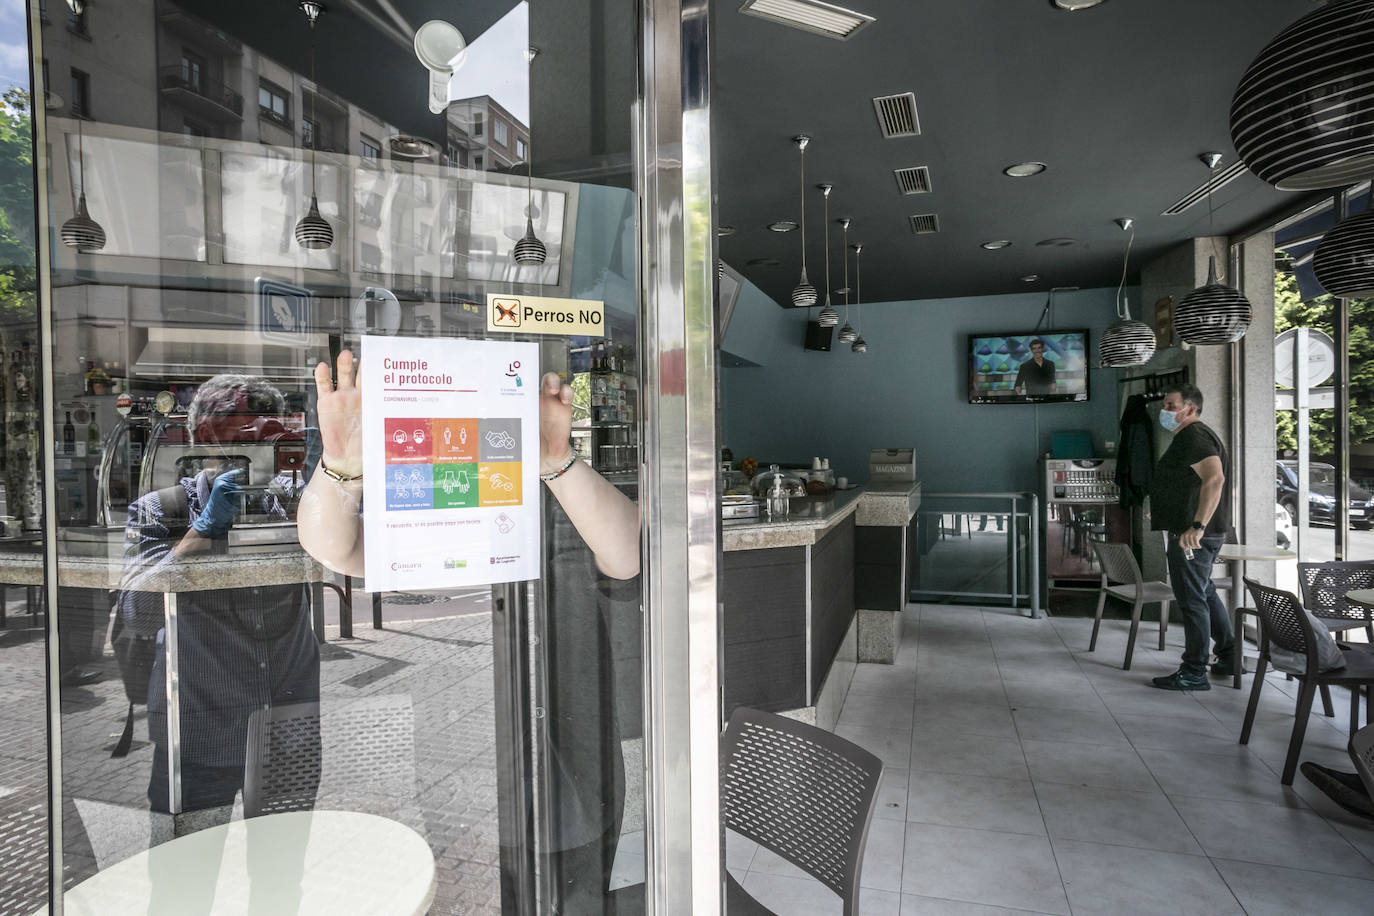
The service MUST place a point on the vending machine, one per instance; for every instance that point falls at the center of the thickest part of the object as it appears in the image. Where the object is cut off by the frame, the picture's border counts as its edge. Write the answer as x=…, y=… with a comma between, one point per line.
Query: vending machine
x=1081, y=507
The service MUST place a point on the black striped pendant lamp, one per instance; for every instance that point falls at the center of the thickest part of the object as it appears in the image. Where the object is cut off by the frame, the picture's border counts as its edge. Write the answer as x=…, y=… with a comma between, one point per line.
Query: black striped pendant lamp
x=803, y=294
x=1213, y=313
x=81, y=232
x=1126, y=341
x=1302, y=117
x=313, y=232
x=1344, y=259
x=530, y=250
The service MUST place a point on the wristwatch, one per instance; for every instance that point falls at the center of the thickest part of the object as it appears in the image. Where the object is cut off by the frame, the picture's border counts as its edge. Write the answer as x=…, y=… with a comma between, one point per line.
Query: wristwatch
x=1198, y=525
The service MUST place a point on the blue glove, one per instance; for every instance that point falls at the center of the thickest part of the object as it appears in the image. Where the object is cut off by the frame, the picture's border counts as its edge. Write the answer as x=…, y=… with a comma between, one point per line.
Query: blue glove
x=222, y=507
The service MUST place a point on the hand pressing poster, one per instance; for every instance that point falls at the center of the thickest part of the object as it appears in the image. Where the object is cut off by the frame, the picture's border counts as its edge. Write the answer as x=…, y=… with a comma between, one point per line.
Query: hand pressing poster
x=450, y=462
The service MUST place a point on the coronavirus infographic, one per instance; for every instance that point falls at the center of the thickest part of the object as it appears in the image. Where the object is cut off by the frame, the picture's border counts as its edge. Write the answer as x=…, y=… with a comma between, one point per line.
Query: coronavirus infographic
x=450, y=462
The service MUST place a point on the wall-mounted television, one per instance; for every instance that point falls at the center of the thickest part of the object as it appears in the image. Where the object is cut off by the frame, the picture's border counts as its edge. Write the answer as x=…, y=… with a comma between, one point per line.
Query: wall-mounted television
x=1043, y=367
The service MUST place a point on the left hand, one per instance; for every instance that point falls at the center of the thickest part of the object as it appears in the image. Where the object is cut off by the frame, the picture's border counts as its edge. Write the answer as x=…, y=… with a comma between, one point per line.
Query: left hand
x=1191, y=539
x=555, y=423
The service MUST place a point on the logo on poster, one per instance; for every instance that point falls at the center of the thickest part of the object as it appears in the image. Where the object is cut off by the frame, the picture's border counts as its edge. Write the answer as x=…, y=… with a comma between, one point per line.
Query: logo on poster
x=505, y=313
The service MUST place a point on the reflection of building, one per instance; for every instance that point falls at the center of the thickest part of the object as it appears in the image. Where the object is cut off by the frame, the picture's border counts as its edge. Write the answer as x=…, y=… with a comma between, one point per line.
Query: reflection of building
x=496, y=140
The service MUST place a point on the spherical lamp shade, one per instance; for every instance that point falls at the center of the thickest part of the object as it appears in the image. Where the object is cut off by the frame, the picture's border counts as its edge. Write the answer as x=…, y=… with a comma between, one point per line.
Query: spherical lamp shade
x=1127, y=343
x=1212, y=314
x=1302, y=117
x=1344, y=259
x=529, y=250
x=859, y=346
x=804, y=294
x=313, y=231
x=848, y=334
x=81, y=232
x=829, y=317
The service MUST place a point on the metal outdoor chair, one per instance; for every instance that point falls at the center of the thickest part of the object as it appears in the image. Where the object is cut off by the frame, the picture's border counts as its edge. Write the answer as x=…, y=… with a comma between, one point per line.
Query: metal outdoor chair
x=1284, y=624
x=1121, y=578
x=802, y=792
x=1324, y=586
x=358, y=757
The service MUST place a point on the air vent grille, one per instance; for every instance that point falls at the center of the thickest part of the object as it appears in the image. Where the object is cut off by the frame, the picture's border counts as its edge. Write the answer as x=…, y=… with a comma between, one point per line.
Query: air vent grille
x=1221, y=179
x=925, y=223
x=897, y=115
x=913, y=181
x=809, y=16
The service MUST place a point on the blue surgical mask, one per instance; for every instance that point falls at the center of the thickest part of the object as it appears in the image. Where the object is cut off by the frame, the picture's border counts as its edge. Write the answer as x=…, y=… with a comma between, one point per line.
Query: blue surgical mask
x=1168, y=419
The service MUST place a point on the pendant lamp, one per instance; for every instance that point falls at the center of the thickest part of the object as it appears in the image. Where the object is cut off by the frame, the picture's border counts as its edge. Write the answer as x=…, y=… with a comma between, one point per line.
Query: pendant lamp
x=313, y=232
x=1344, y=259
x=1126, y=342
x=1300, y=117
x=1213, y=313
x=847, y=333
x=859, y=345
x=828, y=317
x=529, y=250
x=81, y=232
x=804, y=294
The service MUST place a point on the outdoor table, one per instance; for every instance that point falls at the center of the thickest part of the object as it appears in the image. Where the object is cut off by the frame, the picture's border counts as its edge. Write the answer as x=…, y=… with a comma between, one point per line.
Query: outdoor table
x=326, y=862
x=1238, y=555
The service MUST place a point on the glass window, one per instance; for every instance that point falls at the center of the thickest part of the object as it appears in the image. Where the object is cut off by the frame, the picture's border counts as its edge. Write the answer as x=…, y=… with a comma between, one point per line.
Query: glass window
x=309, y=133
x=76, y=22
x=81, y=93
x=192, y=66
x=368, y=148
x=499, y=131
x=521, y=149
x=477, y=123
x=273, y=102
x=477, y=161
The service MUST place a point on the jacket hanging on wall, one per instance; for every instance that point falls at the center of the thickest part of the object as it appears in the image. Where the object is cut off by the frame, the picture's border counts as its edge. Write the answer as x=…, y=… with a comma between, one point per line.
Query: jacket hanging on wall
x=1136, y=455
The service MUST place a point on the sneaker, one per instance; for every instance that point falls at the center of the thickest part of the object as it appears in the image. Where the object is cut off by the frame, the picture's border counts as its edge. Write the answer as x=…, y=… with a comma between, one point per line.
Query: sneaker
x=1345, y=789
x=1182, y=680
x=1225, y=667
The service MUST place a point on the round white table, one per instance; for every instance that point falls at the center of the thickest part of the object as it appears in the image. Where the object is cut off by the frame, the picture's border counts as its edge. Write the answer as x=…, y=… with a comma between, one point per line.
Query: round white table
x=1238, y=555
x=326, y=862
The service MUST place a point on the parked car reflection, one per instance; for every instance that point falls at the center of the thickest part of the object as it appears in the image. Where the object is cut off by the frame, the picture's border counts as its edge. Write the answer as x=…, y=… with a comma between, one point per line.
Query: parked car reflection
x=1321, y=494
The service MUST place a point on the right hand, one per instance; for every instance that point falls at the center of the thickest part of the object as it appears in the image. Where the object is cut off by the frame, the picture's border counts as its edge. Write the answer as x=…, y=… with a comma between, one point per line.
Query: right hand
x=340, y=410
x=222, y=507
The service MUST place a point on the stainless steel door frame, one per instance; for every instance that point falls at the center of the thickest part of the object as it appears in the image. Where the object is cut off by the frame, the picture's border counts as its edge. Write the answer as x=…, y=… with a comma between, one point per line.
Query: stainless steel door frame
x=681, y=546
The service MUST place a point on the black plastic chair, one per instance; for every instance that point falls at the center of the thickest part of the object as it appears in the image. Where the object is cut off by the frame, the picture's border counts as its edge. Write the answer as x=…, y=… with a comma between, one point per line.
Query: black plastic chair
x=802, y=792
x=1362, y=750
x=1285, y=625
x=1121, y=578
x=1324, y=586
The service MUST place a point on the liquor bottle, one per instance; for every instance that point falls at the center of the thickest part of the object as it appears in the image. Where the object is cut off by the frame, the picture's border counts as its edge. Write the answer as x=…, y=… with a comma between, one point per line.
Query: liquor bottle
x=69, y=436
x=93, y=437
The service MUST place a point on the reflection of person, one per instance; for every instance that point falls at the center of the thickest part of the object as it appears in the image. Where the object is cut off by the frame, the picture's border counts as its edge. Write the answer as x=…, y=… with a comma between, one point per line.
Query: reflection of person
x=1036, y=375
x=330, y=524
x=239, y=649
x=1189, y=500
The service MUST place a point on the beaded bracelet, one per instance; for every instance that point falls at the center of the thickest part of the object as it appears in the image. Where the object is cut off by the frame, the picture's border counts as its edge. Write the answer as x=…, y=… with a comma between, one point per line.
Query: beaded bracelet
x=554, y=475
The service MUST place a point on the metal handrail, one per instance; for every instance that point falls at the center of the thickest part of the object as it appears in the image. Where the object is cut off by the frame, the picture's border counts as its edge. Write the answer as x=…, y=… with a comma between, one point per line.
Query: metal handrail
x=1032, y=513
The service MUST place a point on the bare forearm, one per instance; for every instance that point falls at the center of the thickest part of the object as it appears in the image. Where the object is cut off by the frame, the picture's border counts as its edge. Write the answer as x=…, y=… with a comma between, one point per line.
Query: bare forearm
x=604, y=517
x=1209, y=497
x=329, y=524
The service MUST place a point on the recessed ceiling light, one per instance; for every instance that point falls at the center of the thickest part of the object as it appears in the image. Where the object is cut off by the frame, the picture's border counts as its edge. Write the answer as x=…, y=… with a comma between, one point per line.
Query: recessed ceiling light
x=1024, y=169
x=995, y=244
x=1056, y=243
x=1030, y=278
x=763, y=262
x=722, y=231
x=783, y=225
x=809, y=16
x=1072, y=6
x=842, y=291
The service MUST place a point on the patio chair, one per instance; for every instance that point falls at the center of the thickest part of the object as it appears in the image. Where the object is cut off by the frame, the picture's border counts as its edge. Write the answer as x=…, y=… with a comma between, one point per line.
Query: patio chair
x=802, y=792
x=1121, y=579
x=1284, y=624
x=1324, y=586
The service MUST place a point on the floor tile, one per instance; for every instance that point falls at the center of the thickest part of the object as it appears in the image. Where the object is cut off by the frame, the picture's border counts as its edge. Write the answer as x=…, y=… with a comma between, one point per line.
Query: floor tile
x=1265, y=890
x=892, y=792
x=1183, y=733
x=982, y=802
x=882, y=865
x=1103, y=766
x=794, y=896
x=883, y=680
x=879, y=711
x=891, y=745
x=1142, y=819
x=1139, y=699
x=1073, y=726
x=913, y=905
x=1234, y=777
x=1054, y=694
x=879, y=903
x=768, y=862
x=1112, y=880
x=943, y=751
x=992, y=718
x=982, y=866
x=739, y=851
x=1271, y=835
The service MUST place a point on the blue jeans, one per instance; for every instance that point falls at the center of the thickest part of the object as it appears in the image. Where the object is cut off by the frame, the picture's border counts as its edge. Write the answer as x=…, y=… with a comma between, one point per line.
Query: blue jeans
x=1204, y=614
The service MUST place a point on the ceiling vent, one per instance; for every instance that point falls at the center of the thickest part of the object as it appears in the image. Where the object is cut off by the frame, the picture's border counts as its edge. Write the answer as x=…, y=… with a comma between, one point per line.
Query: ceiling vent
x=913, y=181
x=897, y=115
x=809, y=16
x=1220, y=179
x=925, y=223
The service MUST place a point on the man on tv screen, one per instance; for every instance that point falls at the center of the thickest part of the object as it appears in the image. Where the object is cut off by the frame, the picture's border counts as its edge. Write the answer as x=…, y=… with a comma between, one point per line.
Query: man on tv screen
x=1036, y=375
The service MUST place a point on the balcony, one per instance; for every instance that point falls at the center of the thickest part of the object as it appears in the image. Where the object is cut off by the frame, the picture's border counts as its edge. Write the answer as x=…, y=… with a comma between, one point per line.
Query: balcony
x=184, y=25
x=207, y=97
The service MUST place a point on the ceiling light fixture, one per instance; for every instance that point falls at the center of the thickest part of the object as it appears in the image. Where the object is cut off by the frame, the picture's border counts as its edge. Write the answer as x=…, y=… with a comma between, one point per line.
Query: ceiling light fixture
x=1030, y=278
x=313, y=232
x=803, y=294
x=723, y=231
x=847, y=333
x=997, y=244
x=1213, y=313
x=1126, y=341
x=529, y=250
x=783, y=225
x=1300, y=116
x=407, y=146
x=1060, y=242
x=81, y=232
x=1024, y=169
x=828, y=317
x=1344, y=258
x=859, y=345
x=810, y=16
x=1073, y=6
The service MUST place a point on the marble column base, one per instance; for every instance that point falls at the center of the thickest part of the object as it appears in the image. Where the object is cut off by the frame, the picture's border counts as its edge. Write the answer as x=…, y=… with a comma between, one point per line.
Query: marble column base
x=880, y=633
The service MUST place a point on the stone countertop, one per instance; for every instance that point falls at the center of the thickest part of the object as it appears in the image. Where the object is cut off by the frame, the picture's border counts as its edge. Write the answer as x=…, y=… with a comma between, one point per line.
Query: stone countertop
x=236, y=569
x=889, y=505
x=809, y=519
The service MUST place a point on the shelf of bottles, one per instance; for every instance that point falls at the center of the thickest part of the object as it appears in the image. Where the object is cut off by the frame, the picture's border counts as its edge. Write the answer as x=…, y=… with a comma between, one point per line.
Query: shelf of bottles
x=604, y=435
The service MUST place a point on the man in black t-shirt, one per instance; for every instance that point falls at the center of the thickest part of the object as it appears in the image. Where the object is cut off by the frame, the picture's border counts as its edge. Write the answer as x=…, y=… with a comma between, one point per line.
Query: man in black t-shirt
x=1036, y=375
x=1189, y=500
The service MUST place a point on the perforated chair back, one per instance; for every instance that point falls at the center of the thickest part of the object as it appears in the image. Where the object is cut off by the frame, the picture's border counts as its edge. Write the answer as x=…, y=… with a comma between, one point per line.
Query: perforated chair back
x=802, y=792
x=355, y=757
x=1324, y=586
x=1362, y=750
x=1117, y=562
x=1285, y=624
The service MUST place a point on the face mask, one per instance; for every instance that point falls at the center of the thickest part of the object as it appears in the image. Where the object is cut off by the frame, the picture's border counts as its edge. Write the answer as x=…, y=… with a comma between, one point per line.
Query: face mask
x=1168, y=419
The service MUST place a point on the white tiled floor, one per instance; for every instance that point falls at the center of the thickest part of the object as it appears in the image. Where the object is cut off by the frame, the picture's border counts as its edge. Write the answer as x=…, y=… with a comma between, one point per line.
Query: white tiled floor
x=1025, y=774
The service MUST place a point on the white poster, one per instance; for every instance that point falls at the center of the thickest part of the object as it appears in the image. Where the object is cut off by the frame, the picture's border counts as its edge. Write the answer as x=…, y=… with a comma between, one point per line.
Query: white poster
x=450, y=462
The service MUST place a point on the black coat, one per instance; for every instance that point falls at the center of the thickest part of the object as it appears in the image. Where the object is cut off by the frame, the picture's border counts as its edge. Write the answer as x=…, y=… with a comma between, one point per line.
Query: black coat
x=1135, y=456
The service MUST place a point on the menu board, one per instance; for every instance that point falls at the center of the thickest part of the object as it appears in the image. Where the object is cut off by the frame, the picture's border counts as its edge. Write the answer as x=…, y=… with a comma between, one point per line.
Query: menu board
x=450, y=462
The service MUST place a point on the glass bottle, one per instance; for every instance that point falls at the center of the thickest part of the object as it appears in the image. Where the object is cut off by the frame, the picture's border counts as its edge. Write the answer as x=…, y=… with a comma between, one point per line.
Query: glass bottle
x=69, y=436
x=93, y=436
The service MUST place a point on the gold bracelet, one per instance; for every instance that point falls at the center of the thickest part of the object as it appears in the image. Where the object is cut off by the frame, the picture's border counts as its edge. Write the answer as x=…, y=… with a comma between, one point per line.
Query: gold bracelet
x=336, y=476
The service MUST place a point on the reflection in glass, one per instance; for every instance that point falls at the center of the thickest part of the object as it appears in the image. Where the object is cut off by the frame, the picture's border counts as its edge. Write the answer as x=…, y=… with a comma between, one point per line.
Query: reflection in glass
x=264, y=195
